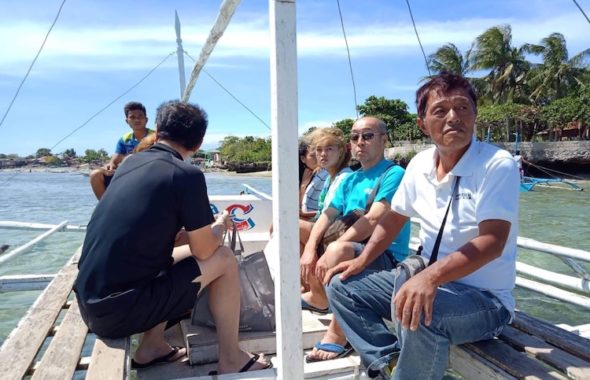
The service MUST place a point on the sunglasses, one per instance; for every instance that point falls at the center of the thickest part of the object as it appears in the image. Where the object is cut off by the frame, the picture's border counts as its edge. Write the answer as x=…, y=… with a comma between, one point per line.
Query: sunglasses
x=366, y=136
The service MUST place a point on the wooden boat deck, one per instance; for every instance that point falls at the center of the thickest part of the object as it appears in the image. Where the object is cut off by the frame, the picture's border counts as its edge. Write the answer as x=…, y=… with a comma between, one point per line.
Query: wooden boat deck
x=52, y=342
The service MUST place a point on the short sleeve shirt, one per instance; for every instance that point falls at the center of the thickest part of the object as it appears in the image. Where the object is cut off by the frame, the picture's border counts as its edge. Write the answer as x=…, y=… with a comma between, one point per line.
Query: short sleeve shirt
x=488, y=189
x=354, y=191
x=128, y=142
x=310, y=201
x=130, y=236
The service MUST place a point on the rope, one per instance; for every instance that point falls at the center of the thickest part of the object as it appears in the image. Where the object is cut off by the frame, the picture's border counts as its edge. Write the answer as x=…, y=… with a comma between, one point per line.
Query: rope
x=349, y=60
x=581, y=10
x=230, y=94
x=99, y=112
x=32, y=63
x=547, y=171
x=418, y=37
x=113, y=101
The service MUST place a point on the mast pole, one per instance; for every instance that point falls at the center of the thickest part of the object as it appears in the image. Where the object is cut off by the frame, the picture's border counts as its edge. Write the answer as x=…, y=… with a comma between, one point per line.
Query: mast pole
x=179, y=54
x=283, y=98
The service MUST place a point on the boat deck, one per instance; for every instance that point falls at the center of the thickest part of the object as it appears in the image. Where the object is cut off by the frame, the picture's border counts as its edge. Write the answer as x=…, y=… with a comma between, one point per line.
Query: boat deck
x=52, y=342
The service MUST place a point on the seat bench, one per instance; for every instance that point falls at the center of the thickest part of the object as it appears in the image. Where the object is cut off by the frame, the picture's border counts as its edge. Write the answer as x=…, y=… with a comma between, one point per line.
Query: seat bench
x=527, y=349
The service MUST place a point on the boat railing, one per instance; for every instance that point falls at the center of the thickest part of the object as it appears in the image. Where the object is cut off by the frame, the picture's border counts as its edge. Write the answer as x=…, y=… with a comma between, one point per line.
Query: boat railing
x=573, y=288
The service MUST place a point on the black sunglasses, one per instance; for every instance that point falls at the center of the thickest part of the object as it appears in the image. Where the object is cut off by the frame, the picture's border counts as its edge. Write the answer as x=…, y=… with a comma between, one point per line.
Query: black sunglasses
x=366, y=136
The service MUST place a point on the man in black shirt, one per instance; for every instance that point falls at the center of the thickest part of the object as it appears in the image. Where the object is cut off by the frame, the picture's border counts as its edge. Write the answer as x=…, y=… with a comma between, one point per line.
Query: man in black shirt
x=131, y=277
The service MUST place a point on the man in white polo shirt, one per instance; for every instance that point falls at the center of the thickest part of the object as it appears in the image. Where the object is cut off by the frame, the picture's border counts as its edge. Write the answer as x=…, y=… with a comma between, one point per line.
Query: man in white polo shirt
x=464, y=296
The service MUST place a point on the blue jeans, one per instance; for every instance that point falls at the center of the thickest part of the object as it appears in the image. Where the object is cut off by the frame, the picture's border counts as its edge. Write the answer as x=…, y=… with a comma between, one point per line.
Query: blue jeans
x=360, y=304
x=461, y=314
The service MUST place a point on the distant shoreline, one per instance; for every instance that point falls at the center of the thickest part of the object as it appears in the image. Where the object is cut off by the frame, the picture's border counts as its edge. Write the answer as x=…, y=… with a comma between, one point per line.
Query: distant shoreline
x=86, y=171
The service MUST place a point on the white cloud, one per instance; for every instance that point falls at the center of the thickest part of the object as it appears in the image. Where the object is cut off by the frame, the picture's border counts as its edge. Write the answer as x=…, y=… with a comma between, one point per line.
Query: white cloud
x=139, y=46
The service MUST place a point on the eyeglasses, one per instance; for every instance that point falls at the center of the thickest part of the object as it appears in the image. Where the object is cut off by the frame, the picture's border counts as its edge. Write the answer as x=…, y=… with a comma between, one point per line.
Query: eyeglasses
x=366, y=136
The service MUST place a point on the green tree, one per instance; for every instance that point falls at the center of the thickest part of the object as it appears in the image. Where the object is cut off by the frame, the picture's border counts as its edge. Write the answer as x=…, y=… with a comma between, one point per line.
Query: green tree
x=393, y=112
x=508, y=67
x=558, y=75
x=69, y=153
x=103, y=154
x=575, y=107
x=345, y=125
x=247, y=149
x=42, y=152
x=449, y=58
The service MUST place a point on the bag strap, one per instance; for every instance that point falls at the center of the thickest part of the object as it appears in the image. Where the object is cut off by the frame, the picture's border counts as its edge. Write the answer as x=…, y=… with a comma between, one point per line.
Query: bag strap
x=376, y=188
x=233, y=237
x=434, y=254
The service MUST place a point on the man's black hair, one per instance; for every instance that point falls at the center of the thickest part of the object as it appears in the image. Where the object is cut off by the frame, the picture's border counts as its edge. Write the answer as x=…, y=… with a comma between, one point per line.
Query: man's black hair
x=181, y=122
x=132, y=106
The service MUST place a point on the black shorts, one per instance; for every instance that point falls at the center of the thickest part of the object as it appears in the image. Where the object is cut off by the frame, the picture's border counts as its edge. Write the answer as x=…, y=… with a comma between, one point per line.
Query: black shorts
x=166, y=297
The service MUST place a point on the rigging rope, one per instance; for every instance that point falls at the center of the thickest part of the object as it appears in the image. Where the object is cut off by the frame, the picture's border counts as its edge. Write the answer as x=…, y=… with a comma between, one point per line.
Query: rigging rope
x=32, y=63
x=581, y=10
x=547, y=171
x=230, y=94
x=356, y=105
x=418, y=37
x=100, y=111
x=113, y=101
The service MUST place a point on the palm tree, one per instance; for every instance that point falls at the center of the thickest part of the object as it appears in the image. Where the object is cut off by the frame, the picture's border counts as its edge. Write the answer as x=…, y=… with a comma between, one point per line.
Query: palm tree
x=558, y=75
x=449, y=58
x=493, y=51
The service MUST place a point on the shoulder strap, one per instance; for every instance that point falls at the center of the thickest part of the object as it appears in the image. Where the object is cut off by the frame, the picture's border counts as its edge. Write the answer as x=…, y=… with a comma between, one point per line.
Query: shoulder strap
x=434, y=254
x=376, y=188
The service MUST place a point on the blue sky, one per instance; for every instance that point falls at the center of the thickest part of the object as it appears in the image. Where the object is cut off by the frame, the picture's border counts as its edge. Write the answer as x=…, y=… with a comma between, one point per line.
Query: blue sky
x=99, y=49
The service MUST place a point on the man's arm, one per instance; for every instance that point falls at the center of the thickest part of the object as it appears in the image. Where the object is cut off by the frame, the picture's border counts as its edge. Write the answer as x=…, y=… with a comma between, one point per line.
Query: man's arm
x=363, y=228
x=384, y=233
x=417, y=295
x=204, y=241
x=115, y=161
x=309, y=256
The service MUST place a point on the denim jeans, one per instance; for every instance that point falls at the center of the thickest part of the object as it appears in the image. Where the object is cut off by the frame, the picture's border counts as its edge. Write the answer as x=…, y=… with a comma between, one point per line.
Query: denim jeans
x=460, y=314
x=360, y=304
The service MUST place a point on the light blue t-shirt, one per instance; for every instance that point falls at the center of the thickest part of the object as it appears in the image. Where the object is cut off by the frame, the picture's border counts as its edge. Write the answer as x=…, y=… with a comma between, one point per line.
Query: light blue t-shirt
x=354, y=191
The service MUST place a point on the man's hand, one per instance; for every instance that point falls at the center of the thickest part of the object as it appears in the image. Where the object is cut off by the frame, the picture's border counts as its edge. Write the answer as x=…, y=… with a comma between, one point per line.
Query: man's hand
x=348, y=268
x=308, y=262
x=110, y=168
x=415, y=297
x=321, y=267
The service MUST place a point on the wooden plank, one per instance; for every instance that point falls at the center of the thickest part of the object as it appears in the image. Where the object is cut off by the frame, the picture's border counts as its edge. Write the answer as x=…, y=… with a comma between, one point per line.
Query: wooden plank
x=110, y=359
x=515, y=363
x=571, y=365
x=348, y=365
x=63, y=354
x=473, y=366
x=202, y=341
x=21, y=346
x=572, y=343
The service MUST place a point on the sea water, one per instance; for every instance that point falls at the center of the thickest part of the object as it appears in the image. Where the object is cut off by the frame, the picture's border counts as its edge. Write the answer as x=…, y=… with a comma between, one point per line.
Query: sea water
x=552, y=216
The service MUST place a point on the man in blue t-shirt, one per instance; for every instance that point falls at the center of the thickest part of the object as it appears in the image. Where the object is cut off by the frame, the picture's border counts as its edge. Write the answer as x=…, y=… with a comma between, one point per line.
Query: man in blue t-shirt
x=135, y=117
x=368, y=138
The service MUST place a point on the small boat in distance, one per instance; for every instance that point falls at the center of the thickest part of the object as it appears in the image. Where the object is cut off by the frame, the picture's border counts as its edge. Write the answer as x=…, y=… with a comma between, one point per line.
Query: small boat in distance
x=529, y=183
